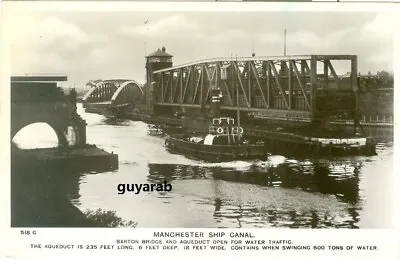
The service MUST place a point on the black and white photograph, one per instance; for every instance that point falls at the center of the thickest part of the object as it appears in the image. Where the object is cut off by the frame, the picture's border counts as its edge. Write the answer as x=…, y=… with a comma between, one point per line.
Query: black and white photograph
x=278, y=119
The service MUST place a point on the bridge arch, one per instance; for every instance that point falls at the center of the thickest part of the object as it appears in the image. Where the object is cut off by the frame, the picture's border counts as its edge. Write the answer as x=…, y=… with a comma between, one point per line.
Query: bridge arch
x=128, y=92
x=61, y=136
x=102, y=91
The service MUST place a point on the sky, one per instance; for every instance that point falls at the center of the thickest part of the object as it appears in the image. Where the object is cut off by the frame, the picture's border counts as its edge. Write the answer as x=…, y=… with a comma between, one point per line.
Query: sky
x=88, y=45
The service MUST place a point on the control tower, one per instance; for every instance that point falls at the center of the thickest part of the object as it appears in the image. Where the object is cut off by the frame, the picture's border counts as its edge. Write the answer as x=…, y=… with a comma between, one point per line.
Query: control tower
x=157, y=60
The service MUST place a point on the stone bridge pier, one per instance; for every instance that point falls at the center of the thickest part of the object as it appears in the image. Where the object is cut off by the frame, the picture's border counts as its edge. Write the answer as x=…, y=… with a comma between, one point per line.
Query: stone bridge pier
x=38, y=99
x=41, y=177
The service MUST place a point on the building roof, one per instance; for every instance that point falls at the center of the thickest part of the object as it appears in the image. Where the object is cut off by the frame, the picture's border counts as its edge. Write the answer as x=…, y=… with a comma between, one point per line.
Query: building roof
x=159, y=53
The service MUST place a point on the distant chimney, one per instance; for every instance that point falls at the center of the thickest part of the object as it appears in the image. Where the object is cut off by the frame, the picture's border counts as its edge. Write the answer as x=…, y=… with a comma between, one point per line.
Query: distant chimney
x=163, y=49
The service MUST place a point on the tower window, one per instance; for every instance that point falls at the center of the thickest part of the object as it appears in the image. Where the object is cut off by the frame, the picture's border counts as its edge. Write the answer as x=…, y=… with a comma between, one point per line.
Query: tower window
x=154, y=60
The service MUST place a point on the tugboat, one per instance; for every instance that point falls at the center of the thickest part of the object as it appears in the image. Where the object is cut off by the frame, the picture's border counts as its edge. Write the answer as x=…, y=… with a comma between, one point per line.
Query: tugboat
x=224, y=142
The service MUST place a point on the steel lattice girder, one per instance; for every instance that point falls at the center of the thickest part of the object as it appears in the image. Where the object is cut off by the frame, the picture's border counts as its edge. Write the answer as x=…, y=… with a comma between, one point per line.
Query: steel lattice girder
x=287, y=86
x=115, y=92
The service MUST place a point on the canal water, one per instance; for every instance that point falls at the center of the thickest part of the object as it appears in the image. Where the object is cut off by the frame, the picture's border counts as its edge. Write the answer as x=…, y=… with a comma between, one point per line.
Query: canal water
x=352, y=192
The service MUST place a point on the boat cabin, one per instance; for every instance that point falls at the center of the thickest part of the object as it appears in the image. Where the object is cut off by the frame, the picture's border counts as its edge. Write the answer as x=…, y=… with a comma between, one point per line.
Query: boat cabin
x=225, y=126
x=221, y=140
x=223, y=131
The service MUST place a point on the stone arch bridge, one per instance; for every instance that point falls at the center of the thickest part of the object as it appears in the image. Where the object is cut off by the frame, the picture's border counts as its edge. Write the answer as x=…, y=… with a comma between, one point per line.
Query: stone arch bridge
x=113, y=95
x=37, y=99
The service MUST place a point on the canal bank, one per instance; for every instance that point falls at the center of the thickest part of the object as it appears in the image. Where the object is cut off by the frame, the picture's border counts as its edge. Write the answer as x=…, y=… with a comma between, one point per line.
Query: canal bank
x=38, y=196
x=78, y=158
x=43, y=186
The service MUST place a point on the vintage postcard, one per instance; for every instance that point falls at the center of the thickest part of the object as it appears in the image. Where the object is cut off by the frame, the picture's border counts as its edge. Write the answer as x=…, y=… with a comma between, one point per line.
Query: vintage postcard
x=236, y=129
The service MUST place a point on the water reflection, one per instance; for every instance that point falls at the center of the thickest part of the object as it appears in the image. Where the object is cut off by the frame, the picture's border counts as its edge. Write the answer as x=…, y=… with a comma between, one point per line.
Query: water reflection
x=264, y=217
x=380, y=134
x=340, y=178
x=279, y=192
x=170, y=172
x=328, y=179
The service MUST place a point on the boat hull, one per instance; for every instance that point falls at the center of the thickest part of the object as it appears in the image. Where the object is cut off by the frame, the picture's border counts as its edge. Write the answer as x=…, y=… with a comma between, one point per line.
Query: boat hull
x=215, y=153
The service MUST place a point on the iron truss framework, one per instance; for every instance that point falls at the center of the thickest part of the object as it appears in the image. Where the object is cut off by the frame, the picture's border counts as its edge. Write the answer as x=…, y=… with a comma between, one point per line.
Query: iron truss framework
x=282, y=87
x=115, y=92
